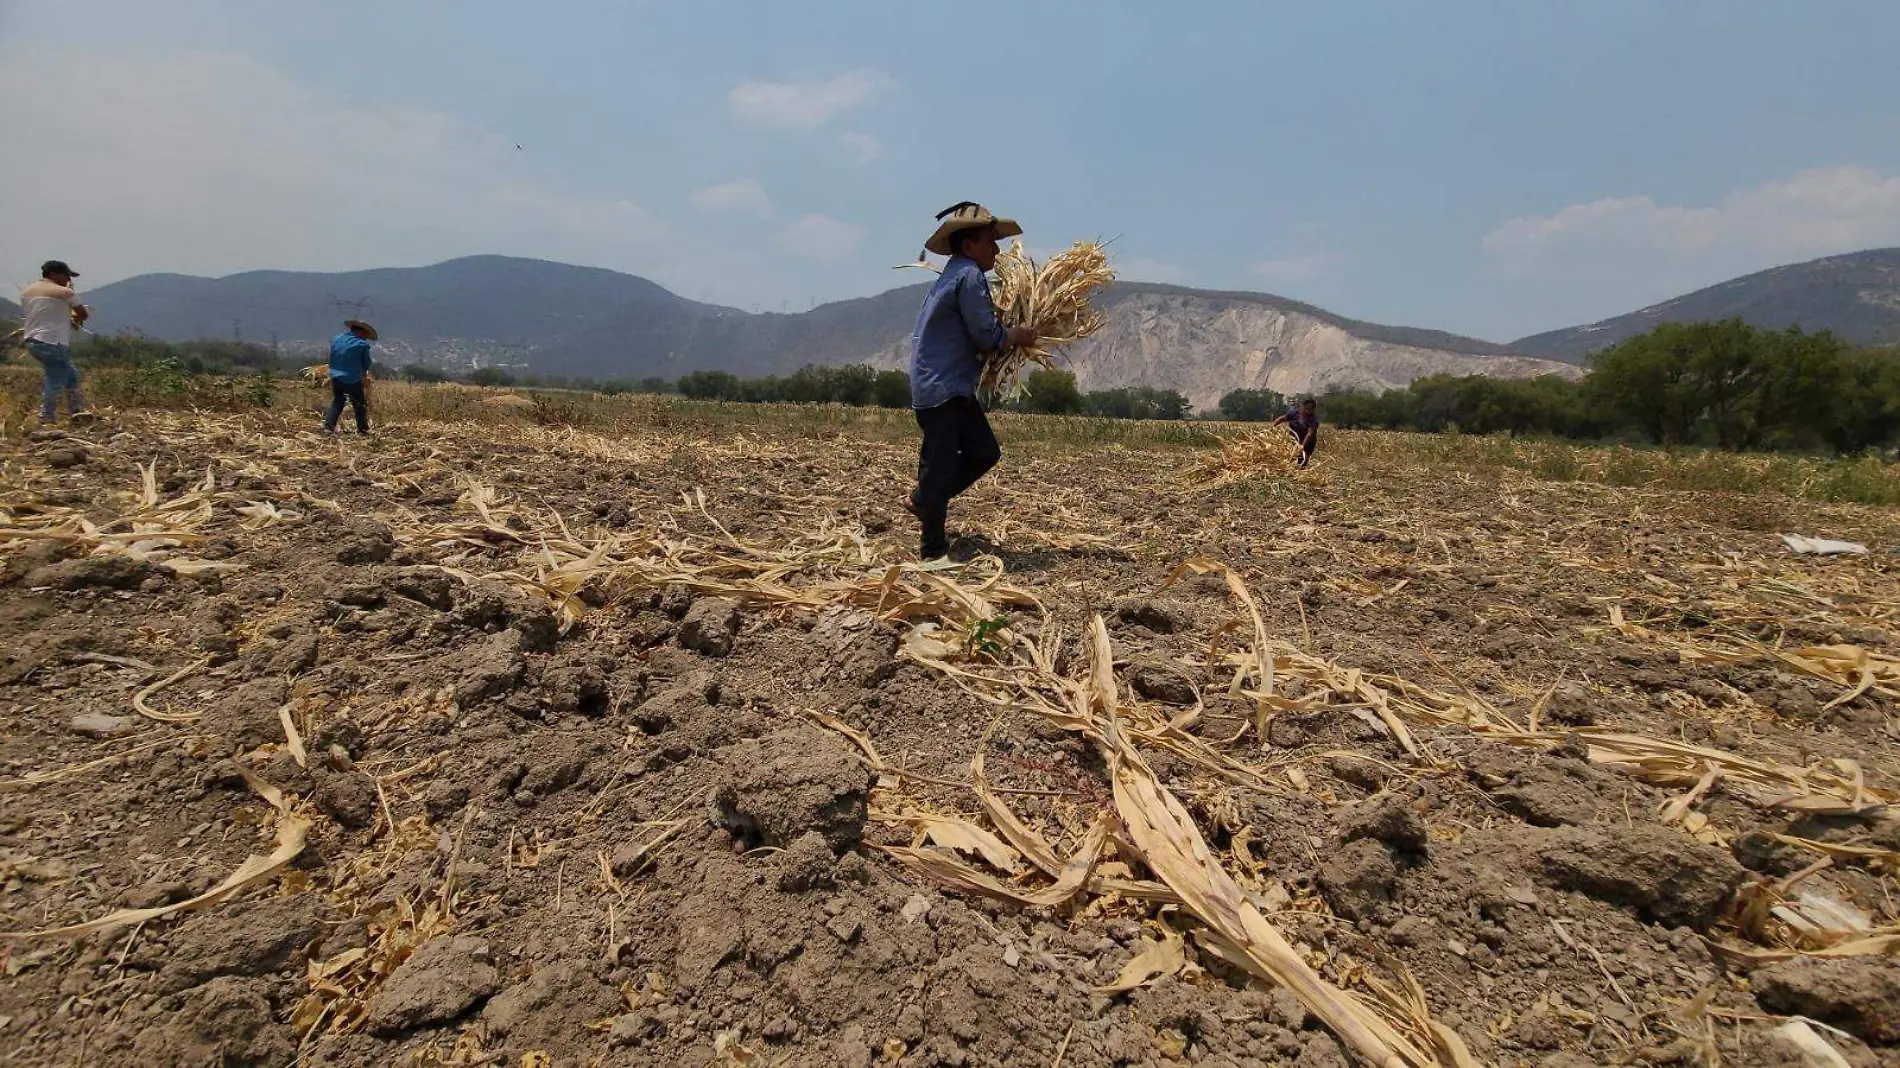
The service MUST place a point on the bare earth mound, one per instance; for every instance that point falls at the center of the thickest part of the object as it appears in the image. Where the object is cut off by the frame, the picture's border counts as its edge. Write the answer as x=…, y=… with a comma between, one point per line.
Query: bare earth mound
x=558, y=748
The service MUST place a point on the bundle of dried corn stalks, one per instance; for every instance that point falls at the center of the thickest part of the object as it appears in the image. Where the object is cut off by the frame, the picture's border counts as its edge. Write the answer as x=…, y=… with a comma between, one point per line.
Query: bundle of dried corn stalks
x=1054, y=299
x=318, y=374
x=1264, y=451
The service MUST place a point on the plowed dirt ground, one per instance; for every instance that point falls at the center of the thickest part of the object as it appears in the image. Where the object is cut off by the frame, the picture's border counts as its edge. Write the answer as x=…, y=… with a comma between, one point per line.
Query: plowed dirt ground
x=574, y=730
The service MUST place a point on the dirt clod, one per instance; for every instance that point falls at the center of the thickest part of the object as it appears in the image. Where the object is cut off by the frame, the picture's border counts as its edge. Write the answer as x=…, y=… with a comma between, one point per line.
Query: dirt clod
x=426, y=585
x=1388, y=820
x=1859, y=996
x=490, y=670
x=710, y=626
x=1358, y=879
x=806, y=864
x=1157, y=616
x=365, y=542
x=1659, y=873
x=110, y=572
x=346, y=797
x=227, y=1022
x=775, y=789
x=1544, y=791
x=246, y=717
x=1160, y=682
x=442, y=981
x=551, y=1009
x=576, y=690
x=250, y=938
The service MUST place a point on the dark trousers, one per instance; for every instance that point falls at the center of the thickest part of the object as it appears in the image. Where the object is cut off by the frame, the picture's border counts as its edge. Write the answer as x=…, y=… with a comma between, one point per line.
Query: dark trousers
x=341, y=391
x=958, y=449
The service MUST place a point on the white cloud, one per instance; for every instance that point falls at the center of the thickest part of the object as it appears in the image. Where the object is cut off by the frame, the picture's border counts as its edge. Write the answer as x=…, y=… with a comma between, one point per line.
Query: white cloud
x=821, y=237
x=861, y=146
x=1293, y=269
x=746, y=195
x=1814, y=213
x=1139, y=269
x=805, y=105
x=214, y=162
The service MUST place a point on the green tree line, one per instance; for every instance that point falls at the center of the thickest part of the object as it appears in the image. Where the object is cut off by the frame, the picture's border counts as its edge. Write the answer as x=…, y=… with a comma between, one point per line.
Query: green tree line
x=1723, y=384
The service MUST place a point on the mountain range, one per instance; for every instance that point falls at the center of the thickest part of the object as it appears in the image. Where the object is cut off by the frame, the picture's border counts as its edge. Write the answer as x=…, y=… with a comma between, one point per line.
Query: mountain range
x=560, y=320
x=1856, y=295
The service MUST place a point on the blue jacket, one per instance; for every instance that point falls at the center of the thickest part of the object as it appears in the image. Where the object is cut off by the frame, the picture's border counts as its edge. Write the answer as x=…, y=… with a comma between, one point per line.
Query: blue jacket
x=349, y=358
x=957, y=323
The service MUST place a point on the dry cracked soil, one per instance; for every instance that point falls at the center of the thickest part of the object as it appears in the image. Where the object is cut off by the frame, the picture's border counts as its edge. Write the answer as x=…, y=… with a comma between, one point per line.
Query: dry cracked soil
x=601, y=824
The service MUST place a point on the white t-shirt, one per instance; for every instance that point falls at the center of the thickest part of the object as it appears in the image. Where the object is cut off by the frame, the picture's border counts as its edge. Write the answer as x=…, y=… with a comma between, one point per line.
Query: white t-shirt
x=47, y=308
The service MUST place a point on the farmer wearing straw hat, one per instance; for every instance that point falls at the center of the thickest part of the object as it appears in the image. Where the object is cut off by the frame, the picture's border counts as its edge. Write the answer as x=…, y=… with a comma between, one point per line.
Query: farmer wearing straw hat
x=349, y=368
x=49, y=312
x=955, y=328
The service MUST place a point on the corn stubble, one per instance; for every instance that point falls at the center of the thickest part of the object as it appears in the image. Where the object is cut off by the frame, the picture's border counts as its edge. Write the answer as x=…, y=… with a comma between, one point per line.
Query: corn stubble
x=1141, y=850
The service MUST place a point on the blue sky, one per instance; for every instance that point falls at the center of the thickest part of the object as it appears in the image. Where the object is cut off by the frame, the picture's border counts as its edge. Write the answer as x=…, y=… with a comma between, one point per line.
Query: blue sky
x=1489, y=168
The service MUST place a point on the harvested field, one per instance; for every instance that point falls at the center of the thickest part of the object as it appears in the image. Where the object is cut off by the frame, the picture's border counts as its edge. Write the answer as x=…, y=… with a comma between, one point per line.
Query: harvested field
x=497, y=739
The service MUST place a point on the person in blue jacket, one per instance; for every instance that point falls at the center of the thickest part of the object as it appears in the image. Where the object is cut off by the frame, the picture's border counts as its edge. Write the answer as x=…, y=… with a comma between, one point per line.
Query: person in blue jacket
x=956, y=328
x=349, y=369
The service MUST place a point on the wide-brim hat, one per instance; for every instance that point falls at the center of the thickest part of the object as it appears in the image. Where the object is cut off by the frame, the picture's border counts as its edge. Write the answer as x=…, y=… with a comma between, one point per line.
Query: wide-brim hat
x=358, y=324
x=967, y=216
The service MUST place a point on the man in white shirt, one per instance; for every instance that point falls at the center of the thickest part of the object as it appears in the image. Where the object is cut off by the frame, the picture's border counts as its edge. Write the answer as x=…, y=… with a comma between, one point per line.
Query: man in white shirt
x=50, y=309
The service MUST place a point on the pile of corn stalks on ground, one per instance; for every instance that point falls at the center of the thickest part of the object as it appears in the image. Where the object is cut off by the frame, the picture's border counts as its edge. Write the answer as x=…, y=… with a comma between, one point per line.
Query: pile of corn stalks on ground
x=1253, y=453
x=1144, y=847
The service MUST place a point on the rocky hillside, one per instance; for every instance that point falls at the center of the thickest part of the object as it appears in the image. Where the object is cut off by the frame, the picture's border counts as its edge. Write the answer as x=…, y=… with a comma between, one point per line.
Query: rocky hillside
x=555, y=319
x=1856, y=295
x=1206, y=343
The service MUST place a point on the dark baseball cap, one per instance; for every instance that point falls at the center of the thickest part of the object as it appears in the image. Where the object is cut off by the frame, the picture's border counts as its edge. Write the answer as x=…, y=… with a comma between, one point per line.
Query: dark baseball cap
x=57, y=267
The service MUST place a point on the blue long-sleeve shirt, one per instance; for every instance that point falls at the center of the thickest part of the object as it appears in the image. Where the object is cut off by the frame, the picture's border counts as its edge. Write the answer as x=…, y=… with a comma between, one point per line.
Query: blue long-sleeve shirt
x=956, y=324
x=349, y=358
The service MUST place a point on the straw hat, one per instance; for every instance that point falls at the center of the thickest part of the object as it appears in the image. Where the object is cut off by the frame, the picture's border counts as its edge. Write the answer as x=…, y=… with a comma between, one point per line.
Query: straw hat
x=358, y=324
x=968, y=215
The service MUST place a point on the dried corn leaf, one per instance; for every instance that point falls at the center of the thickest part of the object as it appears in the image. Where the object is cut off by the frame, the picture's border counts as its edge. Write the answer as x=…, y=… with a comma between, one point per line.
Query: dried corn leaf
x=1819, y=919
x=1170, y=844
x=1156, y=960
x=966, y=837
x=956, y=875
x=293, y=739
x=1815, y=1050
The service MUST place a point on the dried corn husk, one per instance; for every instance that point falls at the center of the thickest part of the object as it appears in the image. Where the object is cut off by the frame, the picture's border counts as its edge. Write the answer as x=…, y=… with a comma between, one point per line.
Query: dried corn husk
x=1054, y=299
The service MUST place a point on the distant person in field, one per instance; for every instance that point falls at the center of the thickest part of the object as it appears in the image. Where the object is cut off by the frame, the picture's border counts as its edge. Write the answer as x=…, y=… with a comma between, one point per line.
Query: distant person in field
x=50, y=311
x=955, y=328
x=349, y=372
x=1304, y=423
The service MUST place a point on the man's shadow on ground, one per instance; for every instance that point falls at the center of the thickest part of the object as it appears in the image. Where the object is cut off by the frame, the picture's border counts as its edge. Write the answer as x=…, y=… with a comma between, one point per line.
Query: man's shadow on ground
x=967, y=547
